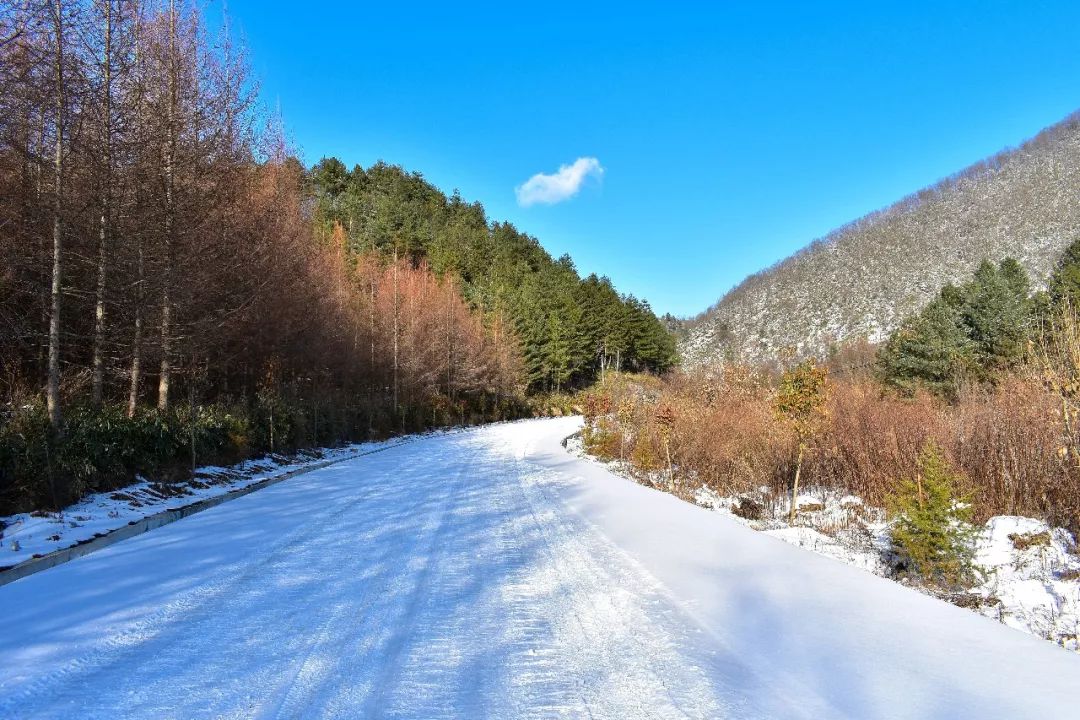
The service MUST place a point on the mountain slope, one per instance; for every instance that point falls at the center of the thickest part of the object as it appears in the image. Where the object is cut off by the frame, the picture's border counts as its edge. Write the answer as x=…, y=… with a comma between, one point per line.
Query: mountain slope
x=861, y=280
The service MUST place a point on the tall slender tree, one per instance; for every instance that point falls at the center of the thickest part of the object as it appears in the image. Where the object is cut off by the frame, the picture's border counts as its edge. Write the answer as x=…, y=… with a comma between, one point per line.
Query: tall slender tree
x=52, y=392
x=169, y=169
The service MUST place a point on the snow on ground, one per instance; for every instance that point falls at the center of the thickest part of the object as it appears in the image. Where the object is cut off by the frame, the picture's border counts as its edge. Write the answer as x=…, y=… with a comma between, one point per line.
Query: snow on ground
x=1033, y=573
x=1030, y=573
x=27, y=535
x=489, y=574
x=833, y=524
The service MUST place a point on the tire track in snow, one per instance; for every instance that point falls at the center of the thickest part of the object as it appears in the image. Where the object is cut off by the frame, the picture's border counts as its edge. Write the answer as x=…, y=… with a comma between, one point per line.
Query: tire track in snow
x=206, y=607
x=459, y=662
x=356, y=576
x=318, y=662
x=537, y=636
x=182, y=608
x=404, y=629
x=310, y=696
x=451, y=584
x=638, y=669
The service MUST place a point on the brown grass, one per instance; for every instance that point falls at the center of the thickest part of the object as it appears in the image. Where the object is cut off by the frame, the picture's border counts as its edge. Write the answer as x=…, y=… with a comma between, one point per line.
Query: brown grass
x=1023, y=541
x=1006, y=441
x=872, y=439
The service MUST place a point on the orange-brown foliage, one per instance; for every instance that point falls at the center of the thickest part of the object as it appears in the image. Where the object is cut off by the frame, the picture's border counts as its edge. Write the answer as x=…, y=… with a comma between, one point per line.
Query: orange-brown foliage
x=1007, y=441
x=872, y=439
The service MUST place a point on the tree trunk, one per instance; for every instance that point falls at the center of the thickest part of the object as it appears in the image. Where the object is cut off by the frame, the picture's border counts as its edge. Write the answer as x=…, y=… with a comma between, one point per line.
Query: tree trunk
x=670, y=466
x=371, y=364
x=52, y=391
x=103, y=227
x=165, y=376
x=395, y=330
x=191, y=418
x=450, y=346
x=795, y=487
x=136, y=345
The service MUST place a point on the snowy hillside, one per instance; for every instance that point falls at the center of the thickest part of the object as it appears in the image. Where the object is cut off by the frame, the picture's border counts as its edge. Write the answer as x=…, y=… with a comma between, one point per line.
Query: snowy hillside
x=863, y=279
x=489, y=574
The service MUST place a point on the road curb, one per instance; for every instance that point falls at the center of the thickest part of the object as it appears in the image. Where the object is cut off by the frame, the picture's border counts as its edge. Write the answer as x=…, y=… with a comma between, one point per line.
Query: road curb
x=165, y=517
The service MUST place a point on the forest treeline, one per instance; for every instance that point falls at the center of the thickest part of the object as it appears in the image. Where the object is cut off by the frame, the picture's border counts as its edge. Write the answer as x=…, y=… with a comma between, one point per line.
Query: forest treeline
x=572, y=329
x=983, y=385
x=177, y=288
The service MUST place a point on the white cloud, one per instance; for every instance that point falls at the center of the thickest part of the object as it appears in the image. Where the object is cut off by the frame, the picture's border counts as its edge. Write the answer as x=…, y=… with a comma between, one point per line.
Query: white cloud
x=551, y=189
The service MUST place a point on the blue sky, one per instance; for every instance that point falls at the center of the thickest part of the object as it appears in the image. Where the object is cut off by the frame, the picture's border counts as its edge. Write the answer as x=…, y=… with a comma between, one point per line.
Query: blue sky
x=729, y=134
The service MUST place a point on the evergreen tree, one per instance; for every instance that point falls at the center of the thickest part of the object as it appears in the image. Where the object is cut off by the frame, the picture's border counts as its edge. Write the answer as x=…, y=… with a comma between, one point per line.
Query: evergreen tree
x=971, y=331
x=931, y=537
x=1064, y=285
x=571, y=330
x=997, y=313
x=930, y=349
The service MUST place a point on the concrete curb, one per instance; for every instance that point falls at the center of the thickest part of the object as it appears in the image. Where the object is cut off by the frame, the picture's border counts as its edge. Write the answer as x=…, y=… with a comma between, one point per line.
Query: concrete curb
x=165, y=517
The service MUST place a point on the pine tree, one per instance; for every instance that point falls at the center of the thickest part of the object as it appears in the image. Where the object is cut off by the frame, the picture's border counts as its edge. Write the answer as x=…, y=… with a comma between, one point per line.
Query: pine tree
x=967, y=332
x=1064, y=285
x=997, y=313
x=931, y=535
x=930, y=349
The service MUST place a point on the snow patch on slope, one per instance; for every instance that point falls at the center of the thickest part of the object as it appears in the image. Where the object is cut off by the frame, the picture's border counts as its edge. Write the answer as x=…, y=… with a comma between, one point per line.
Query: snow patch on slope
x=1033, y=571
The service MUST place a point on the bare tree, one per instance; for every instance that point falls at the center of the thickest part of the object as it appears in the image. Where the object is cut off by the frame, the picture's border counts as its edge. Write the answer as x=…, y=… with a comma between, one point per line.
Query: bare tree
x=105, y=191
x=169, y=162
x=52, y=388
x=140, y=262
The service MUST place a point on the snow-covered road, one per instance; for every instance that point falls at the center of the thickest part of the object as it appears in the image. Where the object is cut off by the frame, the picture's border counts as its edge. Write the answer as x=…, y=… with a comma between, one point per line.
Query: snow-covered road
x=488, y=574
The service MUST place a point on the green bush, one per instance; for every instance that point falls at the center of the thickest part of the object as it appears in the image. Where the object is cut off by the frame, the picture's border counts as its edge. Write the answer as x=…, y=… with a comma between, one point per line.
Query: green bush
x=278, y=426
x=931, y=535
x=102, y=449
x=26, y=460
x=221, y=435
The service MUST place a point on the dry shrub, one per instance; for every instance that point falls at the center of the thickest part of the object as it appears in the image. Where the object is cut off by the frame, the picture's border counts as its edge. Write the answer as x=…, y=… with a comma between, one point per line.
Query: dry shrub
x=734, y=446
x=853, y=361
x=1009, y=443
x=873, y=439
x=1025, y=541
x=748, y=508
x=601, y=439
x=1006, y=441
x=723, y=432
x=644, y=455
